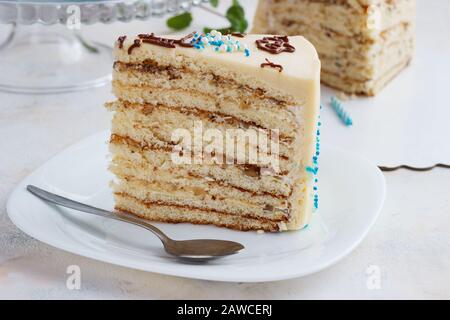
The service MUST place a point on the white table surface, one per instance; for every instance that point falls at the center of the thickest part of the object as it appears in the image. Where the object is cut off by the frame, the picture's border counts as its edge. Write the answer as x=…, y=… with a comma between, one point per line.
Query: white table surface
x=409, y=245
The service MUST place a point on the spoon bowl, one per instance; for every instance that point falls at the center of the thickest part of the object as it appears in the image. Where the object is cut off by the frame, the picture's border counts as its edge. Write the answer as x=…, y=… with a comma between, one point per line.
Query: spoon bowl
x=204, y=249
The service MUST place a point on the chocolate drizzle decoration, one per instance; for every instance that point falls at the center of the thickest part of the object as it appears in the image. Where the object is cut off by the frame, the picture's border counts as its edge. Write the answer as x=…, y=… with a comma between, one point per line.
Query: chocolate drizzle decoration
x=275, y=44
x=136, y=44
x=238, y=34
x=272, y=65
x=185, y=41
x=159, y=41
x=166, y=42
x=120, y=40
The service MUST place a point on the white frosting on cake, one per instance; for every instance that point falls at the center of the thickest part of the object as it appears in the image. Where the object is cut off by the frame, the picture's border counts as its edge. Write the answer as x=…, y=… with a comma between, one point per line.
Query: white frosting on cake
x=299, y=67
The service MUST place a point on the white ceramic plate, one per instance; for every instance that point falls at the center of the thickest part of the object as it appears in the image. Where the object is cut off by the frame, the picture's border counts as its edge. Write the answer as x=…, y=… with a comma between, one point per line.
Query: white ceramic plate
x=351, y=196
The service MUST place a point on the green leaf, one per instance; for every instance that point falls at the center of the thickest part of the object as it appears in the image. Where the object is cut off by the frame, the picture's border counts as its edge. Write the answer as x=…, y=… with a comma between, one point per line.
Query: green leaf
x=214, y=3
x=236, y=15
x=235, y=12
x=180, y=21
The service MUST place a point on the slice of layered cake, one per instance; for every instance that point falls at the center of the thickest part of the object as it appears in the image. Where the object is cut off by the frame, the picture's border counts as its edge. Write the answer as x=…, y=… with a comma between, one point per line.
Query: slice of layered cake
x=216, y=129
x=362, y=44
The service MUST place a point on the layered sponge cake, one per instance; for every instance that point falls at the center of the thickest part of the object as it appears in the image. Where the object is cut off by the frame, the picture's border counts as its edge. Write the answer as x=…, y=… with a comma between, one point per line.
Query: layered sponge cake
x=216, y=129
x=362, y=44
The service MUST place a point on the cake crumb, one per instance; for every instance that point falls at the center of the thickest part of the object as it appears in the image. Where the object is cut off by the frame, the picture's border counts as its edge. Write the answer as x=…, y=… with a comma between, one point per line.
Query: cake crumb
x=260, y=232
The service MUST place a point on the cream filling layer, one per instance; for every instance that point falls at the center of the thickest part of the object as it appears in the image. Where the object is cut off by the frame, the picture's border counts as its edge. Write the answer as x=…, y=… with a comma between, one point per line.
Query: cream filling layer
x=157, y=165
x=174, y=214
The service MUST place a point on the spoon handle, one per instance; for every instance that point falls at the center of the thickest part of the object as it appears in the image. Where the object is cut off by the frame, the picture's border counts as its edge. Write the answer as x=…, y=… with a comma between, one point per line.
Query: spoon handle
x=68, y=203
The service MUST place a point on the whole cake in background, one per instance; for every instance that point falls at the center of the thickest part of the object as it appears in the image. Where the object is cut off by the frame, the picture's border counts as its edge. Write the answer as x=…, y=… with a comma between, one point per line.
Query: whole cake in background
x=177, y=95
x=362, y=44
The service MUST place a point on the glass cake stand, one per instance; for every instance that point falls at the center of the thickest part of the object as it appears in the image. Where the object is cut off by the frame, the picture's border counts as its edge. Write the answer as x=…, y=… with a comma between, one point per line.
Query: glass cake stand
x=44, y=51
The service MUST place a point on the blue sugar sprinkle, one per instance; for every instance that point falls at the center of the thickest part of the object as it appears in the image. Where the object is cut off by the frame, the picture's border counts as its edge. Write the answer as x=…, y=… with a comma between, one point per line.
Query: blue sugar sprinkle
x=217, y=43
x=315, y=162
x=312, y=170
x=342, y=114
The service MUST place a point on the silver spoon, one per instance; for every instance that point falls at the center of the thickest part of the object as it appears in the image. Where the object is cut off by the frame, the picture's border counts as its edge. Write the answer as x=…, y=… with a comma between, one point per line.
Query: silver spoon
x=197, y=250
